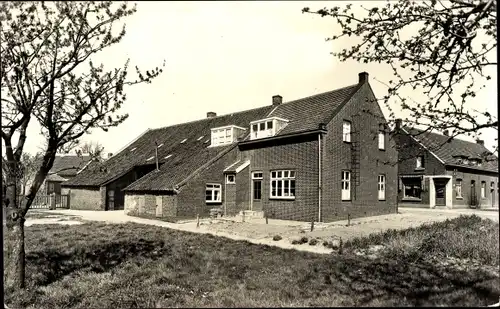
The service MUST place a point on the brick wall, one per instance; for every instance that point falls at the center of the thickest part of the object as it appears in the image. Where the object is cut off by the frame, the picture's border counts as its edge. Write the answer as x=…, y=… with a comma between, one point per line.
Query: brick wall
x=366, y=117
x=300, y=155
x=191, y=198
x=145, y=204
x=409, y=149
x=492, y=195
x=84, y=199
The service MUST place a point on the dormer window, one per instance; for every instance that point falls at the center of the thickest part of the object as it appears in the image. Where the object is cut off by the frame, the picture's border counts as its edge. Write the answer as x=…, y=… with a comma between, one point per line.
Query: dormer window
x=266, y=127
x=225, y=135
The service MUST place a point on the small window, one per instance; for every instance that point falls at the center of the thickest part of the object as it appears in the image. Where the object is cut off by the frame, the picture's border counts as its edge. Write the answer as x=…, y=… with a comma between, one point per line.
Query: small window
x=269, y=125
x=213, y=193
x=458, y=188
x=420, y=162
x=150, y=158
x=255, y=128
x=230, y=179
x=257, y=175
x=131, y=150
x=492, y=186
x=159, y=146
x=346, y=131
x=168, y=156
x=381, y=187
x=199, y=138
x=346, y=186
x=262, y=126
x=183, y=141
x=483, y=189
x=283, y=184
x=381, y=140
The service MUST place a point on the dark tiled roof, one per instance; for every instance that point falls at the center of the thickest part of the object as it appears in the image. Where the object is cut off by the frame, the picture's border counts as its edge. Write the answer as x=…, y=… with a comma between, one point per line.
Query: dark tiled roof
x=68, y=165
x=448, y=150
x=185, y=157
x=306, y=114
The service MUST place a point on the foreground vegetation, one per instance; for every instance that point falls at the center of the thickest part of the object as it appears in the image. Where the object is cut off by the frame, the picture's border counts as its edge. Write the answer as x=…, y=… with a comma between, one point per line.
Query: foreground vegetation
x=98, y=265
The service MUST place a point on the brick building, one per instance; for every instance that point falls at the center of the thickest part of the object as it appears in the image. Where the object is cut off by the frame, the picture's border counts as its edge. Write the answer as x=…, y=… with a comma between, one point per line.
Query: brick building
x=436, y=171
x=319, y=158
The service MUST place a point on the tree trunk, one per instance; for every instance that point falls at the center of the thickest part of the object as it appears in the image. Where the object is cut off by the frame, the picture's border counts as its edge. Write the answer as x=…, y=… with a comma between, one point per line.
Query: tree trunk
x=14, y=272
x=14, y=262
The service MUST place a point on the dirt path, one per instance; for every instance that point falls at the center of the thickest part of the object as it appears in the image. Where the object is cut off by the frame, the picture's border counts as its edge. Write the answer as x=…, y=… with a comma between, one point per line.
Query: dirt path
x=258, y=232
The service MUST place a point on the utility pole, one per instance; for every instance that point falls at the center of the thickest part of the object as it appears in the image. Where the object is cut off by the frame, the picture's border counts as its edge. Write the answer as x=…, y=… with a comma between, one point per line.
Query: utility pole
x=156, y=155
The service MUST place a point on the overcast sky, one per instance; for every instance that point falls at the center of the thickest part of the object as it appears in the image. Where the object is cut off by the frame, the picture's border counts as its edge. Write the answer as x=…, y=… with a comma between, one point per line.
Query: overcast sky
x=231, y=56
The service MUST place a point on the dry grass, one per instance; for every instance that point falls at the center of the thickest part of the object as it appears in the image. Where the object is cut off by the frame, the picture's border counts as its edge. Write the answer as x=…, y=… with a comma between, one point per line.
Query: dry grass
x=98, y=265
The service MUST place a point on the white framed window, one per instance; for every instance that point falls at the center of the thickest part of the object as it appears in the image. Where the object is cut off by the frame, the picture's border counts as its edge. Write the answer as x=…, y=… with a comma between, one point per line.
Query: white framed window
x=283, y=184
x=213, y=193
x=412, y=188
x=230, y=179
x=225, y=135
x=483, y=189
x=381, y=187
x=420, y=162
x=381, y=140
x=257, y=175
x=266, y=127
x=346, y=186
x=346, y=131
x=458, y=188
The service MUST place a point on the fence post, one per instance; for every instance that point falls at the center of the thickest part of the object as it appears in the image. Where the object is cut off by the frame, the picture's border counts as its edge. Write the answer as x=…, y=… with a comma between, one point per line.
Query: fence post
x=52, y=201
x=68, y=199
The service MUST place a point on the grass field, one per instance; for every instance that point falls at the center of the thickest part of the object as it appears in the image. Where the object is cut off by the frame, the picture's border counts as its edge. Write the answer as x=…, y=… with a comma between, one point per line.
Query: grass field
x=96, y=265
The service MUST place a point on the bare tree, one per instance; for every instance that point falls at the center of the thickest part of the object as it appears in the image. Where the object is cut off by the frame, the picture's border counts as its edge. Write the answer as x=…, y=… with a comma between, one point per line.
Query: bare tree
x=93, y=149
x=438, y=48
x=47, y=75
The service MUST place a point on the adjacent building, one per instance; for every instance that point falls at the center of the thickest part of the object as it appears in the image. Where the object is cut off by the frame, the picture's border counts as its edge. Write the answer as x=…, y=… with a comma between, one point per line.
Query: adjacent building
x=437, y=171
x=325, y=157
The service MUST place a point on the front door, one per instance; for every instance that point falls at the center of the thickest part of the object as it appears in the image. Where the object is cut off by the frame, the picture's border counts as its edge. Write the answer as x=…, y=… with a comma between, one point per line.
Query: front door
x=159, y=207
x=111, y=200
x=440, y=193
x=257, y=194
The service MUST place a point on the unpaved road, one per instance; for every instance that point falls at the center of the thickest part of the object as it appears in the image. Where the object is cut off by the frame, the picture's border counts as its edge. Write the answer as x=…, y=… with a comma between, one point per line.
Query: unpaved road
x=257, y=231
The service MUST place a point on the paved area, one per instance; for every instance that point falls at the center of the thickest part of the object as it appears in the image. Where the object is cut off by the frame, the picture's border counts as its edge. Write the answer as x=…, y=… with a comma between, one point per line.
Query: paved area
x=257, y=231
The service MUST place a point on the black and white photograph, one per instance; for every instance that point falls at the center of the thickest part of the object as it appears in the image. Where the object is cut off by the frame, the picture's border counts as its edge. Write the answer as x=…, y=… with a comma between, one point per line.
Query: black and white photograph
x=160, y=154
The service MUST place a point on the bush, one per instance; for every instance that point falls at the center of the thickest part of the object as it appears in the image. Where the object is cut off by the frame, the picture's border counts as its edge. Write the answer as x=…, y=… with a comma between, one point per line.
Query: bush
x=304, y=240
x=313, y=242
x=277, y=237
x=296, y=242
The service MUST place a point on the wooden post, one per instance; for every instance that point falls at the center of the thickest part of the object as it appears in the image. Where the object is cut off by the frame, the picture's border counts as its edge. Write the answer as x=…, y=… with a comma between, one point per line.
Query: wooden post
x=348, y=219
x=197, y=220
x=312, y=225
x=243, y=216
x=68, y=199
x=52, y=201
x=267, y=222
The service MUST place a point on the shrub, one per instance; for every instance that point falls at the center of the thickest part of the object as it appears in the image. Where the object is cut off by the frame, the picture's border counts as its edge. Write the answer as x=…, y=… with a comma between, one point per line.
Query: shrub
x=313, y=242
x=304, y=240
x=277, y=237
x=296, y=242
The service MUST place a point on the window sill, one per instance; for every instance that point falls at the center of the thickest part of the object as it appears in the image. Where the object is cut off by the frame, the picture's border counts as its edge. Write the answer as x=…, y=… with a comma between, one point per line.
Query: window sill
x=411, y=199
x=381, y=149
x=382, y=200
x=213, y=202
x=349, y=200
x=230, y=183
x=288, y=198
x=419, y=168
x=347, y=142
x=459, y=197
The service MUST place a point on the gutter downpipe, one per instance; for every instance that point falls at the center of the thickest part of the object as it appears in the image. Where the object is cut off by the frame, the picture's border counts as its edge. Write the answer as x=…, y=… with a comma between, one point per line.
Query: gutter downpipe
x=319, y=177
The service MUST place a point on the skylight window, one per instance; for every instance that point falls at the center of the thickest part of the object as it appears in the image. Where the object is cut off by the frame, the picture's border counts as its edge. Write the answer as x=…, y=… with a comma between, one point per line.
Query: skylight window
x=160, y=145
x=133, y=149
x=151, y=158
x=183, y=141
x=199, y=138
x=168, y=156
x=206, y=141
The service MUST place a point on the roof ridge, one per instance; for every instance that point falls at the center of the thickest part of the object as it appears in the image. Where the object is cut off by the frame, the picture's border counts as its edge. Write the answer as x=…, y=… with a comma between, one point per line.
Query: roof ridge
x=322, y=93
x=436, y=133
x=204, y=119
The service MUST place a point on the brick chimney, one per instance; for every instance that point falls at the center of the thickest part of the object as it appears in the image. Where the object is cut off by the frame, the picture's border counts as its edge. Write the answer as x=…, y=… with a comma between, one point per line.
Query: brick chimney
x=211, y=114
x=277, y=100
x=398, y=123
x=480, y=142
x=363, y=77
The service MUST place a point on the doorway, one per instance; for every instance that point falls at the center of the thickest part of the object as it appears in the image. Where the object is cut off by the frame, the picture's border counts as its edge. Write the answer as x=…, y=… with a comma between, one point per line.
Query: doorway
x=440, y=186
